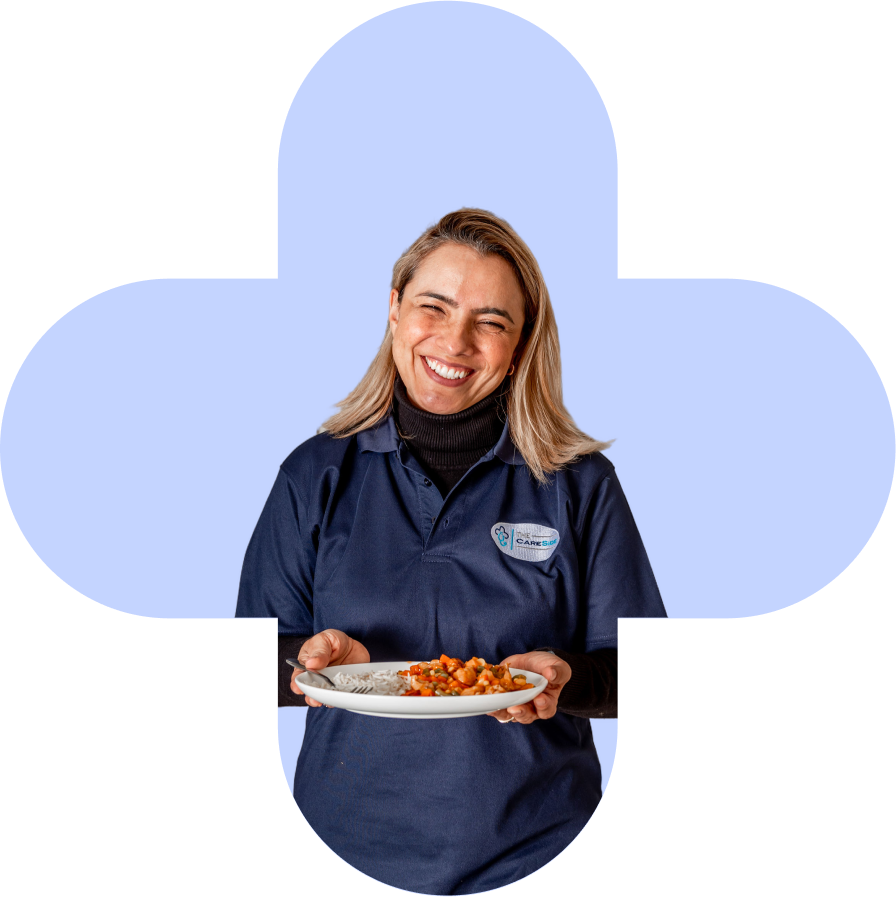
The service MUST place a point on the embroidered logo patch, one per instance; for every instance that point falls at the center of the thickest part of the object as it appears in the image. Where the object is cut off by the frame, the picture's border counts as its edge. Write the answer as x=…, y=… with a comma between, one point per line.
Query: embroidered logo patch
x=526, y=541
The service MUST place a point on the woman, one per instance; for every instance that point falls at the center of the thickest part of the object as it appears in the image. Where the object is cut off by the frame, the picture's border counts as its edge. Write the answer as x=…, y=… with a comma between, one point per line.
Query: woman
x=407, y=528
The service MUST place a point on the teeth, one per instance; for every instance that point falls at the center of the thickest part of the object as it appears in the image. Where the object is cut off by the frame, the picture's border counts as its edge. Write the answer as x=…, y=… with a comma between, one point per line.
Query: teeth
x=446, y=372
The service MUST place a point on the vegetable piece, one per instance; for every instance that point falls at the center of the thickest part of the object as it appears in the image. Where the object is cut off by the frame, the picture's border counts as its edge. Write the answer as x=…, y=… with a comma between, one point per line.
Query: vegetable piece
x=448, y=677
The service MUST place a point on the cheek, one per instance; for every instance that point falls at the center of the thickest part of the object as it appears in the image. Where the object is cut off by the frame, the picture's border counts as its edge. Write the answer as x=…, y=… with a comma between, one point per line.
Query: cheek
x=415, y=333
x=404, y=341
x=499, y=354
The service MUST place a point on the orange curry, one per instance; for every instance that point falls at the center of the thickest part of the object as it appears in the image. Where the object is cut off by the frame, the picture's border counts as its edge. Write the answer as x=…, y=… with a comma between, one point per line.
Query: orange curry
x=447, y=676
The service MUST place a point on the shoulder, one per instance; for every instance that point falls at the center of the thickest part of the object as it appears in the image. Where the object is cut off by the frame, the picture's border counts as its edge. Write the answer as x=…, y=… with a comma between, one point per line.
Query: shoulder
x=587, y=470
x=315, y=456
x=584, y=482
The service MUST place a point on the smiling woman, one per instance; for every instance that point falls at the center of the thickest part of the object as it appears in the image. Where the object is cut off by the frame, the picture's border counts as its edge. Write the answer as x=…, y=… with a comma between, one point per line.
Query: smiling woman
x=456, y=332
x=452, y=506
x=469, y=307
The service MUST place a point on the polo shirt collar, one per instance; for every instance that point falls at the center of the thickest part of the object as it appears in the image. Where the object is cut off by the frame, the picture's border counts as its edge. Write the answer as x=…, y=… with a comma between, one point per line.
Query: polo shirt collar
x=382, y=437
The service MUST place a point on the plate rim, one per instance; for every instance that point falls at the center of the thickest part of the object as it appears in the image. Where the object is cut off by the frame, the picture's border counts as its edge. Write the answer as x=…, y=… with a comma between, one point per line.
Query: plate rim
x=424, y=705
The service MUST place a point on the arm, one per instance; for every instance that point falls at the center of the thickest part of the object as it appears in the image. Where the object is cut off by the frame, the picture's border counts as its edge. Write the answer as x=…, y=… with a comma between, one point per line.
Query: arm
x=579, y=684
x=288, y=646
x=277, y=578
x=617, y=582
x=591, y=690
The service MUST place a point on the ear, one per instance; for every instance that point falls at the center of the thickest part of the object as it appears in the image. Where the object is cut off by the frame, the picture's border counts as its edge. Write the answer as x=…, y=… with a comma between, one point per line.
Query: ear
x=394, y=310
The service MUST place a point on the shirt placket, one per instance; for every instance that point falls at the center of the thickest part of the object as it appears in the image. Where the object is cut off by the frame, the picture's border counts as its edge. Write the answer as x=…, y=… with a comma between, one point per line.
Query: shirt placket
x=439, y=517
x=428, y=496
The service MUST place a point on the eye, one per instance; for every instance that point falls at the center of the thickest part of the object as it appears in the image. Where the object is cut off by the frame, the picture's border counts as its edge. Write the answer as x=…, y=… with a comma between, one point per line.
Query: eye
x=495, y=325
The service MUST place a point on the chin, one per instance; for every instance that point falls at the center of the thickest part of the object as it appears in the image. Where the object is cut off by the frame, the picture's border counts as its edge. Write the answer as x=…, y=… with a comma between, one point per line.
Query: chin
x=443, y=406
x=440, y=404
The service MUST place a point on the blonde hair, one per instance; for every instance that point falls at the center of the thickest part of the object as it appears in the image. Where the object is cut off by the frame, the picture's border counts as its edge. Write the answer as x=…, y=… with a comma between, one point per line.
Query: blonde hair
x=540, y=426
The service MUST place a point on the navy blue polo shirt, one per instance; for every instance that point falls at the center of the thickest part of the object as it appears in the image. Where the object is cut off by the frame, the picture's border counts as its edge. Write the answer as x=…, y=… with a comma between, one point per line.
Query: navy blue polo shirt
x=355, y=537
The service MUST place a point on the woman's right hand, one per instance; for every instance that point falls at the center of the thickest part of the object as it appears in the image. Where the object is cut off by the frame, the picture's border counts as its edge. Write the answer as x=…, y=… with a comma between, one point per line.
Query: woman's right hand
x=329, y=648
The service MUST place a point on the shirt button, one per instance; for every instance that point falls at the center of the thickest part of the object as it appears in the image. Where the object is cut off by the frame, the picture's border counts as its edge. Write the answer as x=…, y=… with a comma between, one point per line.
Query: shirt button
x=427, y=483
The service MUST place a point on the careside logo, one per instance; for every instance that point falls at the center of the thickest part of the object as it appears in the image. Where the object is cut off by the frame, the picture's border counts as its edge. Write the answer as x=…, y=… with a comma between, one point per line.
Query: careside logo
x=525, y=541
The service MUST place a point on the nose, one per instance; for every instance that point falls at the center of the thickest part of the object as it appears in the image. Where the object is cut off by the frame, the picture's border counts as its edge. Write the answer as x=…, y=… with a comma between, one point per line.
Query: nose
x=456, y=337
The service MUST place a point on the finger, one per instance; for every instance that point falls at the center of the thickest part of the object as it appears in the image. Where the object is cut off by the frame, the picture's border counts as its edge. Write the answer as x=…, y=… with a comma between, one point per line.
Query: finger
x=502, y=716
x=312, y=703
x=522, y=713
x=338, y=642
x=328, y=648
x=293, y=685
x=316, y=652
x=557, y=673
x=544, y=706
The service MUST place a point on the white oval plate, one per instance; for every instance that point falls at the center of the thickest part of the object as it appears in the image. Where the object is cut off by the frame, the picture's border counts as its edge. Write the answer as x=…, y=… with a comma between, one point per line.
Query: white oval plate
x=397, y=707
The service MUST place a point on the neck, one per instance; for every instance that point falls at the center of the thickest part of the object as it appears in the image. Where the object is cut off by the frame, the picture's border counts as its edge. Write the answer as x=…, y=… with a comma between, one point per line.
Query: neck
x=447, y=445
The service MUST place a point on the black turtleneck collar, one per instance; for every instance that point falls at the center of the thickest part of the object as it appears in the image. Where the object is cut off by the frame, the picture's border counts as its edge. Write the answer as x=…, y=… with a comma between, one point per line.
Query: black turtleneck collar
x=448, y=445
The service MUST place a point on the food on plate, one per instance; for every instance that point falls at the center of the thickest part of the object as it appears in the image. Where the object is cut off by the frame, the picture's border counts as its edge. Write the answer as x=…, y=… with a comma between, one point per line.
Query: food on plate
x=382, y=682
x=450, y=677
x=442, y=678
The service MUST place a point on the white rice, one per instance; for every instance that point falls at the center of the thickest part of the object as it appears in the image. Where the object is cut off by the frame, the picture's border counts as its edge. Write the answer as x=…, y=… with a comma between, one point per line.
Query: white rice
x=383, y=682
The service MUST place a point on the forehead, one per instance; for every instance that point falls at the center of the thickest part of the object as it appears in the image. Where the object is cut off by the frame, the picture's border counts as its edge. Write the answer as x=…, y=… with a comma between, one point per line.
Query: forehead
x=467, y=274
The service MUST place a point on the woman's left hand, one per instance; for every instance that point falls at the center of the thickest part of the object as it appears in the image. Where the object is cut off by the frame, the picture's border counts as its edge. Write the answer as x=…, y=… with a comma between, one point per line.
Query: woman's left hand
x=555, y=670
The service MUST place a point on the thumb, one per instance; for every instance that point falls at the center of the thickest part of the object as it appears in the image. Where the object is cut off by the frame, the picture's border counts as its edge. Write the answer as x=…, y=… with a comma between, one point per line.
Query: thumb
x=553, y=673
x=315, y=655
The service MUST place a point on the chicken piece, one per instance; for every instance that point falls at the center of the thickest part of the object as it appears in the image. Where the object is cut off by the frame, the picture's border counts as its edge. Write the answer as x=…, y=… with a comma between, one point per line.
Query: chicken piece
x=465, y=675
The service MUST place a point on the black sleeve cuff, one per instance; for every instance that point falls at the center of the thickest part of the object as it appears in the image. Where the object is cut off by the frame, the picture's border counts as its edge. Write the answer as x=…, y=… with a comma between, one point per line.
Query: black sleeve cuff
x=288, y=646
x=592, y=688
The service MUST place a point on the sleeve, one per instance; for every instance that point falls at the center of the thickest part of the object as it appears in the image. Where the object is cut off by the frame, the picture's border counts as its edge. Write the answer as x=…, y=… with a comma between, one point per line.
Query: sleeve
x=617, y=580
x=592, y=687
x=288, y=646
x=278, y=575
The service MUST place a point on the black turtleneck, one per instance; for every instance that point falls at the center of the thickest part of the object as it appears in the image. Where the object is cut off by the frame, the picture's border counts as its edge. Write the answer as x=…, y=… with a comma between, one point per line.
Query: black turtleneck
x=447, y=446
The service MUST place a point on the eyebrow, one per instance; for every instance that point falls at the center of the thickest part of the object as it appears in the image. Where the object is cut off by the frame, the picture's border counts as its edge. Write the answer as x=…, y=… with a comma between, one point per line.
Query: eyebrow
x=476, y=311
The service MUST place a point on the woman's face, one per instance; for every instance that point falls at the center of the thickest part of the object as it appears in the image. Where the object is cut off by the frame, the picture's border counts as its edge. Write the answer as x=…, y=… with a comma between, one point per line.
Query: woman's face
x=457, y=328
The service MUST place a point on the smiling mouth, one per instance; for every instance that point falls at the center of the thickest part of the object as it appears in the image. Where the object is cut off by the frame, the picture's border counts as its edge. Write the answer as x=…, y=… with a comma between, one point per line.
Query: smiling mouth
x=445, y=371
